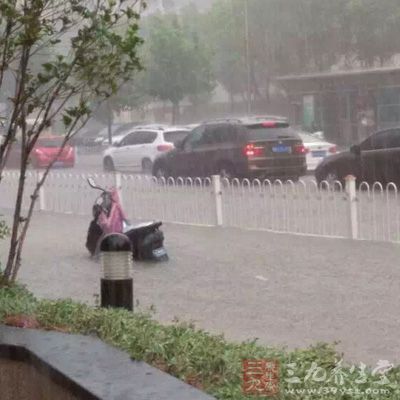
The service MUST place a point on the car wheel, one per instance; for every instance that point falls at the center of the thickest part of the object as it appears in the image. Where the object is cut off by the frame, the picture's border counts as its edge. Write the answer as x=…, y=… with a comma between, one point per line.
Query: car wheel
x=160, y=171
x=108, y=165
x=147, y=166
x=331, y=177
x=226, y=170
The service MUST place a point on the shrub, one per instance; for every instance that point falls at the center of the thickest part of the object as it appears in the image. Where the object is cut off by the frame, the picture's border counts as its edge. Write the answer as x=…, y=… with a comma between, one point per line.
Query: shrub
x=206, y=361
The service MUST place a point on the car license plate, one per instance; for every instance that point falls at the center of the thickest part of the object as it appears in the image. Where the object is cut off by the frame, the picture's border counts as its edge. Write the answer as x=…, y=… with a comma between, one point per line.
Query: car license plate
x=58, y=164
x=159, y=252
x=318, y=154
x=281, y=149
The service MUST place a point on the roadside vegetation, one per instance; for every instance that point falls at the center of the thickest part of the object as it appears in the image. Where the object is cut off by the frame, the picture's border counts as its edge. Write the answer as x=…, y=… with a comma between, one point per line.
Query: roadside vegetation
x=3, y=229
x=206, y=361
x=58, y=61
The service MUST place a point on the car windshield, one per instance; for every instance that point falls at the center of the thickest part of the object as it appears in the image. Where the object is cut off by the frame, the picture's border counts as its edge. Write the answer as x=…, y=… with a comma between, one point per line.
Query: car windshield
x=307, y=138
x=258, y=133
x=175, y=136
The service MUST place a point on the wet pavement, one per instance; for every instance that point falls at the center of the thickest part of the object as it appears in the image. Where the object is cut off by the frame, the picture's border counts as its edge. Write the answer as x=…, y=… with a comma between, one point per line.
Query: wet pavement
x=285, y=290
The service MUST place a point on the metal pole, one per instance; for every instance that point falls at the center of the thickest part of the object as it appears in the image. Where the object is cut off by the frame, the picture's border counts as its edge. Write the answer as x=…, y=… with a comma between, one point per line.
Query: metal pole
x=351, y=191
x=118, y=186
x=161, y=6
x=109, y=122
x=217, y=189
x=246, y=13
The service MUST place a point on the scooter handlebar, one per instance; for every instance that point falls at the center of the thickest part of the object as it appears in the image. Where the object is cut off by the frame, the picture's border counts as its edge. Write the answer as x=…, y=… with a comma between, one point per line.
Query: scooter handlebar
x=93, y=184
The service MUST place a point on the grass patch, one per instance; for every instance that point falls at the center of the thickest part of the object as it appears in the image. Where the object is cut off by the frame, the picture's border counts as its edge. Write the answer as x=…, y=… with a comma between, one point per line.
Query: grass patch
x=206, y=361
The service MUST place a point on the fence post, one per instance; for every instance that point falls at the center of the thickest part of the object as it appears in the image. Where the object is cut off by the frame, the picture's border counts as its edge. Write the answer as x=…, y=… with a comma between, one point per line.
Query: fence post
x=217, y=192
x=118, y=185
x=42, y=198
x=353, y=209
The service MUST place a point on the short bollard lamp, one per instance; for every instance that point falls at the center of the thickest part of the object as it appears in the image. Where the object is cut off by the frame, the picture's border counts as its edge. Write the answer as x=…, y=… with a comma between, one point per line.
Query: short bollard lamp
x=117, y=282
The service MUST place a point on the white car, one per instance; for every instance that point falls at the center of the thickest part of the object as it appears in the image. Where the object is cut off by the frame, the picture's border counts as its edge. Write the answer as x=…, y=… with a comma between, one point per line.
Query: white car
x=317, y=150
x=137, y=150
x=192, y=126
x=114, y=140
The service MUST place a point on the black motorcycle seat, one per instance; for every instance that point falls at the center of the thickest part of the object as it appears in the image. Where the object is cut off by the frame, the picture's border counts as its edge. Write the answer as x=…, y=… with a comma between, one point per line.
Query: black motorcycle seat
x=144, y=226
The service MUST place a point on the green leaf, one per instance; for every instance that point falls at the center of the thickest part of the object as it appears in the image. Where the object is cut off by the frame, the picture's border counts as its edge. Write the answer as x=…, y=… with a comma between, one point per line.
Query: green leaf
x=67, y=120
x=48, y=66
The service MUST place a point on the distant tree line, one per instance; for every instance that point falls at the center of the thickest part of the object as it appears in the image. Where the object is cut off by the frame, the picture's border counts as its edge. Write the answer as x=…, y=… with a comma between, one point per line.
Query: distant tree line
x=185, y=55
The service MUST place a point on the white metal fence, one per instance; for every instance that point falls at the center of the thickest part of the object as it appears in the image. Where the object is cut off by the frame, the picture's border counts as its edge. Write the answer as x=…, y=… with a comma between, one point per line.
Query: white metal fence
x=372, y=212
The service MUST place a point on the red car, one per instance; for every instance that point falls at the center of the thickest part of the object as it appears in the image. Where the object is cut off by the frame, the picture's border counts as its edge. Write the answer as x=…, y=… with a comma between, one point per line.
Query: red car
x=44, y=152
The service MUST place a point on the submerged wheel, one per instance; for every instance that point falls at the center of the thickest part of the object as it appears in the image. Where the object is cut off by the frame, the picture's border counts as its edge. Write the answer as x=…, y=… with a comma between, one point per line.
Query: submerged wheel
x=147, y=166
x=160, y=171
x=332, y=178
x=108, y=164
x=226, y=170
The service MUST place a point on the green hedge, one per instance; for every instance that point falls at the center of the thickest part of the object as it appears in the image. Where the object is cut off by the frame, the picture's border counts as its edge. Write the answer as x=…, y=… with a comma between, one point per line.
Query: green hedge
x=195, y=356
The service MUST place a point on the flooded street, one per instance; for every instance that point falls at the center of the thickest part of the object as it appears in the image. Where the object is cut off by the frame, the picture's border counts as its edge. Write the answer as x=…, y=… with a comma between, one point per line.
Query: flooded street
x=285, y=290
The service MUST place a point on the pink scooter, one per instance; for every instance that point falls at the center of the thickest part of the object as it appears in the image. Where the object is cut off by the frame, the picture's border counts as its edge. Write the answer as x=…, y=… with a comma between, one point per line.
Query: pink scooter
x=108, y=217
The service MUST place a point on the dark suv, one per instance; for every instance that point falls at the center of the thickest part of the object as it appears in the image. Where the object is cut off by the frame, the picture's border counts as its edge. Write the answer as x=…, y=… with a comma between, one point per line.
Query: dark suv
x=376, y=159
x=246, y=147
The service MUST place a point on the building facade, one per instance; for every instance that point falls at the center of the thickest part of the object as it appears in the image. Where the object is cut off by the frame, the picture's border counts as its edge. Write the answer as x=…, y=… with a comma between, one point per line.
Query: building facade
x=348, y=106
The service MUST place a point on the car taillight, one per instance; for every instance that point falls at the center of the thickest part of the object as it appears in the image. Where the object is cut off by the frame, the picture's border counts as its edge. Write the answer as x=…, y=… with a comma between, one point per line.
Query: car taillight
x=269, y=124
x=165, y=147
x=38, y=152
x=332, y=149
x=300, y=149
x=253, y=151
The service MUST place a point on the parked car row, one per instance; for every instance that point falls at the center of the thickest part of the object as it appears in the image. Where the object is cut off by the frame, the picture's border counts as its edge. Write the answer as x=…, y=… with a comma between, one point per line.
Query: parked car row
x=259, y=146
x=251, y=147
x=244, y=147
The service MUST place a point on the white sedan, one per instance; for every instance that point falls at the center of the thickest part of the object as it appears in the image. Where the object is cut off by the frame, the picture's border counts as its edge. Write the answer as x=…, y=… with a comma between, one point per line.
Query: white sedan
x=137, y=150
x=317, y=150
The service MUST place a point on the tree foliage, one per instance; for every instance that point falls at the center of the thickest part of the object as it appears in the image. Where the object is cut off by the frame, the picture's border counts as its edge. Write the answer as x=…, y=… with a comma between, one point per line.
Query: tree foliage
x=375, y=30
x=4, y=230
x=224, y=30
x=177, y=62
x=298, y=36
x=186, y=52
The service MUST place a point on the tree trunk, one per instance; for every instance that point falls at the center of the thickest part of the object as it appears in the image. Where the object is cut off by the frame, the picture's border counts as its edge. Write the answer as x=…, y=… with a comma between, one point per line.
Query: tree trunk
x=268, y=91
x=255, y=92
x=109, y=122
x=8, y=272
x=175, y=113
x=232, y=101
x=25, y=225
